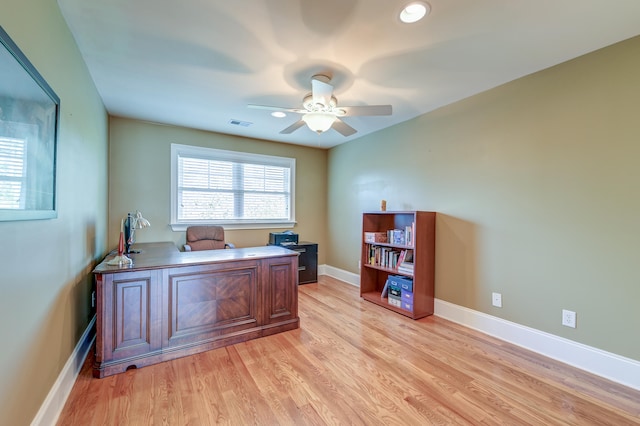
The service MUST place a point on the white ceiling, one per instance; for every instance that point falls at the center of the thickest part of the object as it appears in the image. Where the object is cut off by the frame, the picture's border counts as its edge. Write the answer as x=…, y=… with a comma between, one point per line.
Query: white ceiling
x=198, y=63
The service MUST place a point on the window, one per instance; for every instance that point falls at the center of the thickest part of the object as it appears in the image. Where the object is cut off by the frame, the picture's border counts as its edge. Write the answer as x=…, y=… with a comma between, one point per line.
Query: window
x=12, y=173
x=235, y=189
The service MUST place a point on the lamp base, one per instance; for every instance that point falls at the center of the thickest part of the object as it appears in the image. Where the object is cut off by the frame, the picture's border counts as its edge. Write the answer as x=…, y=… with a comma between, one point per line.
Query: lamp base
x=120, y=260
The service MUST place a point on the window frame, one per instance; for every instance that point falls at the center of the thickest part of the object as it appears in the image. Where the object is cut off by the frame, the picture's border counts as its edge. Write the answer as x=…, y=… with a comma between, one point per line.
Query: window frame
x=178, y=150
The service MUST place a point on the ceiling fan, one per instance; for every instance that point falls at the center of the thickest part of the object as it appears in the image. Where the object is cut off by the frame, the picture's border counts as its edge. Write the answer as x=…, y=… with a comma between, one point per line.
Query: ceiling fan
x=321, y=111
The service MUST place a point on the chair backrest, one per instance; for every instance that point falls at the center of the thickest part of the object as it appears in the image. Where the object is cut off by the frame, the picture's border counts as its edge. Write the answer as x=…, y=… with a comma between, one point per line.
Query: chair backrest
x=205, y=237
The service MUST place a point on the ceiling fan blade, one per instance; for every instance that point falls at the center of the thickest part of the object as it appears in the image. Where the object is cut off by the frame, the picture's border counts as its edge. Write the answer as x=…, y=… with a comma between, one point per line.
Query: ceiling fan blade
x=321, y=91
x=343, y=128
x=367, y=110
x=295, y=126
x=276, y=108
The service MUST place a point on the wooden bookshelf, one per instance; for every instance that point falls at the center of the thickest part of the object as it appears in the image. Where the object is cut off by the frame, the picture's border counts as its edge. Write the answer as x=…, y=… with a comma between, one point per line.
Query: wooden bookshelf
x=374, y=271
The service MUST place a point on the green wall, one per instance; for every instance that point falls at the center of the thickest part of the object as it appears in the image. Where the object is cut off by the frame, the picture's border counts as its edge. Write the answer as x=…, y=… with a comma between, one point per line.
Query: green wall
x=140, y=178
x=536, y=185
x=45, y=278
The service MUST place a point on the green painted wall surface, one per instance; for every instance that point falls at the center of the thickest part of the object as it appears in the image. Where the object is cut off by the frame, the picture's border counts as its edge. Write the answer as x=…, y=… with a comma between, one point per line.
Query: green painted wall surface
x=536, y=185
x=140, y=175
x=45, y=273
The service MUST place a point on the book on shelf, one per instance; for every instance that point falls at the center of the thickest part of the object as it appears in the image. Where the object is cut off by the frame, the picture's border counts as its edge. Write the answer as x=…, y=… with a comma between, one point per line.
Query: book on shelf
x=400, y=237
x=385, y=257
x=375, y=237
x=403, y=256
x=405, y=266
x=397, y=237
x=409, y=233
x=406, y=269
x=385, y=290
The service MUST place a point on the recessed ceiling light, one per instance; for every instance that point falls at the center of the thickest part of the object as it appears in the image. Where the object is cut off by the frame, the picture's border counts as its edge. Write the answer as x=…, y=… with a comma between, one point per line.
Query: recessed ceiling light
x=414, y=12
x=278, y=114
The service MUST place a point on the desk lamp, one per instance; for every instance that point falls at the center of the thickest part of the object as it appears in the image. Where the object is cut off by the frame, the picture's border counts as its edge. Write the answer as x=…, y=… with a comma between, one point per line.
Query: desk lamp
x=127, y=229
x=132, y=222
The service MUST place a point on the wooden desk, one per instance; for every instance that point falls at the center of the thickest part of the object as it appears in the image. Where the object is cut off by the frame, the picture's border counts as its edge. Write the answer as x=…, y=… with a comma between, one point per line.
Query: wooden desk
x=170, y=304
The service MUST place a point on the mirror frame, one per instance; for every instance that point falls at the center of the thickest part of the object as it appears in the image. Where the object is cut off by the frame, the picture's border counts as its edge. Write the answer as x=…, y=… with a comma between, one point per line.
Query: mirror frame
x=29, y=127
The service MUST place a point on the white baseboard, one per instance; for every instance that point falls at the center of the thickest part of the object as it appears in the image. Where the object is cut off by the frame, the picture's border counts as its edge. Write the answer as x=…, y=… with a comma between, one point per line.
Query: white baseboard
x=340, y=274
x=605, y=364
x=614, y=367
x=57, y=397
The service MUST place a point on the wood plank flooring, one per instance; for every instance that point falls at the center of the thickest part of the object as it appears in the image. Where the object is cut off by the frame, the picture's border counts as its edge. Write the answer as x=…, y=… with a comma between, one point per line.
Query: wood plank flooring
x=354, y=363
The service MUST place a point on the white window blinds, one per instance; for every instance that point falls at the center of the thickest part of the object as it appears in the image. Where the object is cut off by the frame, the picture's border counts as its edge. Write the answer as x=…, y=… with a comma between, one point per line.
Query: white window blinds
x=226, y=187
x=12, y=173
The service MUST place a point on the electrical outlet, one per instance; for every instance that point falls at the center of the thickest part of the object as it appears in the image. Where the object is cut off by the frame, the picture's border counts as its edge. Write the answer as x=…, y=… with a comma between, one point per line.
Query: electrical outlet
x=496, y=300
x=568, y=318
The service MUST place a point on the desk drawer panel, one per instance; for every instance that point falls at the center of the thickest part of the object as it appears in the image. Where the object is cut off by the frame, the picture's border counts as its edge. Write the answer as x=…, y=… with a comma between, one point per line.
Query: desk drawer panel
x=127, y=303
x=208, y=304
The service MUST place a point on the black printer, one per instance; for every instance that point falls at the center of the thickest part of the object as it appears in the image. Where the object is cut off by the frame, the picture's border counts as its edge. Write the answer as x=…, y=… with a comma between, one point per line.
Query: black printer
x=286, y=238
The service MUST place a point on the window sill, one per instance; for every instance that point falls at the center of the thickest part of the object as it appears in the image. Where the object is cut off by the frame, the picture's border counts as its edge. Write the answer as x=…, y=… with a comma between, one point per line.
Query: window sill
x=179, y=227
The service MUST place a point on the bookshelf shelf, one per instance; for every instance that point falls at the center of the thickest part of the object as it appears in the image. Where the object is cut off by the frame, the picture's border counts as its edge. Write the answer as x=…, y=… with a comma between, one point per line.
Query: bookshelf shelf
x=374, y=297
x=380, y=260
x=398, y=246
x=388, y=270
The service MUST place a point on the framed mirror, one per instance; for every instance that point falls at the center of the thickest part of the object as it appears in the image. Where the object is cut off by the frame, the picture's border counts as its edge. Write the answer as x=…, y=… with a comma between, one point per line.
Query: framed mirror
x=29, y=123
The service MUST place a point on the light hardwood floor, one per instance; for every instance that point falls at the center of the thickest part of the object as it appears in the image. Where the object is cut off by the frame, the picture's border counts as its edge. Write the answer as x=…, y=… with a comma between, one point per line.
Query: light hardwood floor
x=354, y=363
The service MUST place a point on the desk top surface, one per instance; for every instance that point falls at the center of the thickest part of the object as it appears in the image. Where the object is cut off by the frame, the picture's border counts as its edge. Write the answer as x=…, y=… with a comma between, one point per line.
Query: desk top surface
x=166, y=254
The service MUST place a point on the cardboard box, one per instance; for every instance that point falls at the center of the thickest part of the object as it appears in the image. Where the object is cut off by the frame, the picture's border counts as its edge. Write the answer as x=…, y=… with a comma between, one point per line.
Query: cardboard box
x=395, y=301
x=375, y=237
x=407, y=306
x=404, y=283
x=395, y=292
x=407, y=297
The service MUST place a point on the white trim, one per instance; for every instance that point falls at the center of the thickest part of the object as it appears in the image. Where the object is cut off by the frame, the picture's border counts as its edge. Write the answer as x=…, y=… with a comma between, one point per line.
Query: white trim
x=614, y=367
x=54, y=402
x=340, y=274
x=179, y=227
x=622, y=370
x=178, y=150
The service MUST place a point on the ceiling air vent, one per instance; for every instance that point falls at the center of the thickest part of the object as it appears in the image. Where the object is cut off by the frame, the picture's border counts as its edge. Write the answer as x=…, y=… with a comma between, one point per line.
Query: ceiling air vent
x=240, y=123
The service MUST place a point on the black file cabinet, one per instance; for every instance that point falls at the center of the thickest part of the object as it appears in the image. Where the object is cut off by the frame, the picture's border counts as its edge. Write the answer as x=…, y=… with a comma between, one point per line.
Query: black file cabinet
x=307, y=261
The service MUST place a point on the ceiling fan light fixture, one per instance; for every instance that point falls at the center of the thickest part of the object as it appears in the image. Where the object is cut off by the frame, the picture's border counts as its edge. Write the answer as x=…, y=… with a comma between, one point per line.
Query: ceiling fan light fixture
x=321, y=112
x=278, y=114
x=414, y=12
x=319, y=121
